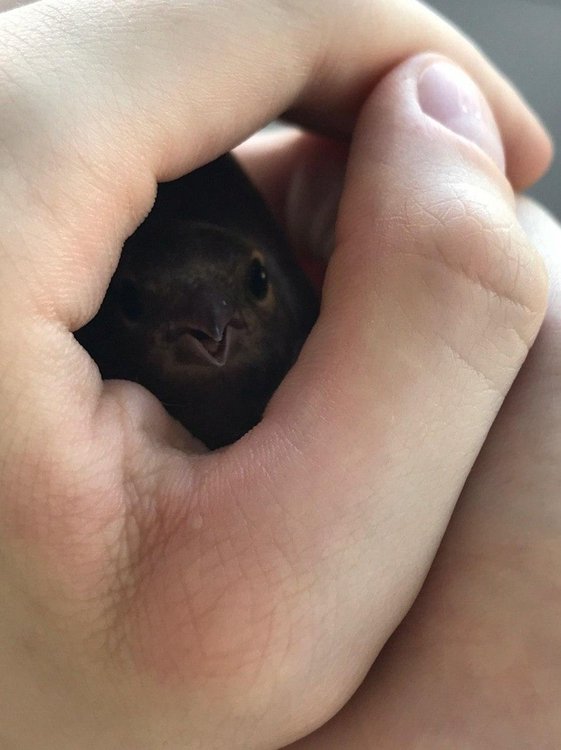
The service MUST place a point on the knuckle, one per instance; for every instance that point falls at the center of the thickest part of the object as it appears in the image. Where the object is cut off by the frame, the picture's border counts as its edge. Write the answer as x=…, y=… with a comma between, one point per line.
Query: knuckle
x=474, y=234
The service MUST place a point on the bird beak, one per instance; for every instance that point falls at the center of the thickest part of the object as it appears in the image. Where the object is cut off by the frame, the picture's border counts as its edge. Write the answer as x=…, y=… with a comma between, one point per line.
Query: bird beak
x=202, y=331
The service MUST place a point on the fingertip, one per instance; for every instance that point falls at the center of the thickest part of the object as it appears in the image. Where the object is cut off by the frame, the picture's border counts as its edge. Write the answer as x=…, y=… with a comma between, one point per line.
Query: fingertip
x=301, y=175
x=530, y=152
x=528, y=143
x=525, y=151
x=426, y=121
x=448, y=96
x=269, y=158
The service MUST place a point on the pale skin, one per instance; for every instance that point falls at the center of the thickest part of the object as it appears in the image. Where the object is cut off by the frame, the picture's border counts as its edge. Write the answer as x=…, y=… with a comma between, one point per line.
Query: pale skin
x=157, y=596
x=477, y=662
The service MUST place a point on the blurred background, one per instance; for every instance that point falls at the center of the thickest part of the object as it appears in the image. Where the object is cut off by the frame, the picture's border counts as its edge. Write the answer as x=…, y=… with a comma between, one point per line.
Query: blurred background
x=523, y=37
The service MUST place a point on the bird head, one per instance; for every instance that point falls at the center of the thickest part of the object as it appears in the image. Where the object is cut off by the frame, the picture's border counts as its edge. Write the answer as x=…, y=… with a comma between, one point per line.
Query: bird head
x=205, y=303
x=207, y=308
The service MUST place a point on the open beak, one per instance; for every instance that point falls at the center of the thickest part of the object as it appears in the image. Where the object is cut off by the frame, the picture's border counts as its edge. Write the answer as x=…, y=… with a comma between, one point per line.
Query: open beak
x=204, y=332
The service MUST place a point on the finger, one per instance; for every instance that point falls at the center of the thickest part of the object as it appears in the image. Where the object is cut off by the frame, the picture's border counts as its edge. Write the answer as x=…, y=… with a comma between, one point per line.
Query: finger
x=432, y=298
x=301, y=177
x=313, y=40
x=175, y=88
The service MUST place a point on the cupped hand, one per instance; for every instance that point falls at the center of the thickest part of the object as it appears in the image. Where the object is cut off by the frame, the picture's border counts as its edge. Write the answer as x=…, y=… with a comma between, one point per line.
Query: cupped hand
x=476, y=663
x=155, y=595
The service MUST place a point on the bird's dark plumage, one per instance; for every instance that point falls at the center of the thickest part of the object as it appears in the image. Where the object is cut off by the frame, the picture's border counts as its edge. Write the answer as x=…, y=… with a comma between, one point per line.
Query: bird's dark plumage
x=208, y=308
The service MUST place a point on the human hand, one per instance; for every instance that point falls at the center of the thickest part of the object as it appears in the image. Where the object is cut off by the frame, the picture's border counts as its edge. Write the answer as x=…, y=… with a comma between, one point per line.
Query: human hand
x=155, y=596
x=476, y=662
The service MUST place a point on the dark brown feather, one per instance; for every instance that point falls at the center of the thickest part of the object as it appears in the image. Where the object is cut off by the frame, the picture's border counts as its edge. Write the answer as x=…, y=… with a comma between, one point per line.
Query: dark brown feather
x=208, y=308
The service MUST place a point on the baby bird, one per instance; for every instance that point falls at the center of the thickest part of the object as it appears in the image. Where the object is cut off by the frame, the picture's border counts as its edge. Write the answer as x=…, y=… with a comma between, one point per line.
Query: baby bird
x=207, y=308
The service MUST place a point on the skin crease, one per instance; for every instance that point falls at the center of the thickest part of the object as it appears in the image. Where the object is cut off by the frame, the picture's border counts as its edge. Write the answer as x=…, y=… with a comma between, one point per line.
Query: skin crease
x=156, y=597
x=209, y=270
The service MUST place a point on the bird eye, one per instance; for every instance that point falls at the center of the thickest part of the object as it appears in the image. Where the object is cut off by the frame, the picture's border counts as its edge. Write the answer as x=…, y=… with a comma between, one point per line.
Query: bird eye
x=130, y=302
x=258, y=279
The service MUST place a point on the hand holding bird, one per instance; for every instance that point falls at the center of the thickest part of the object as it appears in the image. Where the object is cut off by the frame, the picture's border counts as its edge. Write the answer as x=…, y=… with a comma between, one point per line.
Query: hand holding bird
x=160, y=595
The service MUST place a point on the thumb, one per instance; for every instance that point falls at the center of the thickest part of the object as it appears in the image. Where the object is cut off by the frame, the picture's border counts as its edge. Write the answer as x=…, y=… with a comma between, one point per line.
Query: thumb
x=432, y=299
x=434, y=293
